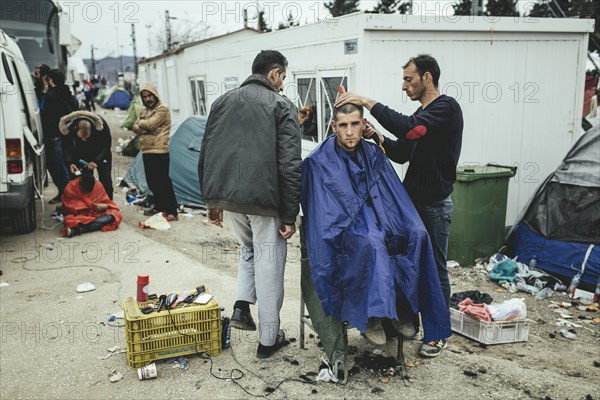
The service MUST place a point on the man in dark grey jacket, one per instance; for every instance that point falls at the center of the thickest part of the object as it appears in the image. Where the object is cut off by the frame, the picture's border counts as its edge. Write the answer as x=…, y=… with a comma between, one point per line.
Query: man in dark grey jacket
x=250, y=167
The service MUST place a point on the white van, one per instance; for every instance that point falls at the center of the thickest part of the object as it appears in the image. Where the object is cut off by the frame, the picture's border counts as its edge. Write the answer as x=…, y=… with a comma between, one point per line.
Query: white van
x=22, y=161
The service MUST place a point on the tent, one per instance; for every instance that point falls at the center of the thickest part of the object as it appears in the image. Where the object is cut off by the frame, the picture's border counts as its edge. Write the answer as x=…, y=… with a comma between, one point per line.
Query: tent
x=560, y=227
x=119, y=98
x=133, y=112
x=184, y=150
x=103, y=94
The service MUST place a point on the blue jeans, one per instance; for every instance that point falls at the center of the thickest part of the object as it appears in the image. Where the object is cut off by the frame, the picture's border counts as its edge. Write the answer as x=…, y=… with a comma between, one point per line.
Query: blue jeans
x=95, y=225
x=56, y=164
x=437, y=217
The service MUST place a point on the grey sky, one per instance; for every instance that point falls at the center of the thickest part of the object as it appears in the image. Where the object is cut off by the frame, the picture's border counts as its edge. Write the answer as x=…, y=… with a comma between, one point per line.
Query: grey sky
x=106, y=24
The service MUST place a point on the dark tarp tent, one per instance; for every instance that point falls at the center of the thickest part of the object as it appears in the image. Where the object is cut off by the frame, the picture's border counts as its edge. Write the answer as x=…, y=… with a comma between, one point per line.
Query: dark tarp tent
x=560, y=227
x=184, y=151
x=118, y=99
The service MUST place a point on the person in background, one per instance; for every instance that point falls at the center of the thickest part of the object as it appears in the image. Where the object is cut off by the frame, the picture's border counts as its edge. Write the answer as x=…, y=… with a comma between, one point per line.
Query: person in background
x=89, y=92
x=308, y=122
x=154, y=124
x=40, y=82
x=431, y=140
x=86, y=136
x=57, y=102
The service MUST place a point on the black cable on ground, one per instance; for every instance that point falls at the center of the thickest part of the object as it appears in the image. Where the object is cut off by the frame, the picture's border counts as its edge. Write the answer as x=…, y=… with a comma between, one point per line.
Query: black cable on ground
x=270, y=389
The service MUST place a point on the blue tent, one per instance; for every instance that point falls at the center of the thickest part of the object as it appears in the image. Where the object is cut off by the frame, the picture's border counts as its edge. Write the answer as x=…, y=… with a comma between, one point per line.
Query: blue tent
x=118, y=99
x=184, y=151
x=560, y=227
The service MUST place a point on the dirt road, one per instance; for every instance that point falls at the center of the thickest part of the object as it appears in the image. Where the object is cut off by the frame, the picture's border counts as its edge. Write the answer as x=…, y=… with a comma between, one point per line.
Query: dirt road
x=52, y=336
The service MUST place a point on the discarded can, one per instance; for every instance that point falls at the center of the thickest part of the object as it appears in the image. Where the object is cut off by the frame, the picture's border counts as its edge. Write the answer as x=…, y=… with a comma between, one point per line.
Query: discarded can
x=147, y=372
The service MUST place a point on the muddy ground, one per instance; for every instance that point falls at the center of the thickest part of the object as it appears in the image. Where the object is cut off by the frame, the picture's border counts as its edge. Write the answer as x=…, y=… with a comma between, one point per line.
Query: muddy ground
x=52, y=337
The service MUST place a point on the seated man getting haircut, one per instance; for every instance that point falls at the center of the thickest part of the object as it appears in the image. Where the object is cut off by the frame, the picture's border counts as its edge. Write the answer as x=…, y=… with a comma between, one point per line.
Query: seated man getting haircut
x=87, y=207
x=370, y=255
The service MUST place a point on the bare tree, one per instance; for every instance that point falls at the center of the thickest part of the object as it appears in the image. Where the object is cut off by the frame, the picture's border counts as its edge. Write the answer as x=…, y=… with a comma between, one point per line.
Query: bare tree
x=262, y=22
x=463, y=7
x=501, y=8
x=182, y=31
x=342, y=7
x=386, y=7
x=289, y=23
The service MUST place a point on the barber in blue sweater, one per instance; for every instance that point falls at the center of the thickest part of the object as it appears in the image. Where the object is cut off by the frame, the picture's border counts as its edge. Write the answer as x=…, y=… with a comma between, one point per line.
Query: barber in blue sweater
x=431, y=140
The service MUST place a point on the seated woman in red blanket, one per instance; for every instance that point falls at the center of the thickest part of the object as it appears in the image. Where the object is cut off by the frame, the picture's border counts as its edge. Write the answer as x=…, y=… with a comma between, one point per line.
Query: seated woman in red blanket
x=87, y=207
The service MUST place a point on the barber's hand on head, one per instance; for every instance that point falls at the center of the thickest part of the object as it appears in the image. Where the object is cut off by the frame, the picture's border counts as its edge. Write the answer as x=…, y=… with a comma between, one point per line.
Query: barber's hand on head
x=73, y=168
x=215, y=216
x=355, y=99
x=369, y=132
x=287, y=231
x=92, y=166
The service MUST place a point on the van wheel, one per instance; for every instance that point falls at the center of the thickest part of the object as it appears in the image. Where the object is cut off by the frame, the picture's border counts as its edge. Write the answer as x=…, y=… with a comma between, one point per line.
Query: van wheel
x=25, y=218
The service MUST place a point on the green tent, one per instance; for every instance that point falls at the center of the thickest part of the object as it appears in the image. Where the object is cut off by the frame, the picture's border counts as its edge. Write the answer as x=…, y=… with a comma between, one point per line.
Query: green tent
x=133, y=112
x=103, y=94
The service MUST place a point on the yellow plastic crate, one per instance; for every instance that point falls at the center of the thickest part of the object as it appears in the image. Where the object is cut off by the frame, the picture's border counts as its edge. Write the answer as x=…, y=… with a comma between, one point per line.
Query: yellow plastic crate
x=153, y=336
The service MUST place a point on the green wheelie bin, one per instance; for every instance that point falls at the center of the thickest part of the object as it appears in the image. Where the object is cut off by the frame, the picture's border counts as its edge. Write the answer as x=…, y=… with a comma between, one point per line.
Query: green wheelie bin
x=479, y=199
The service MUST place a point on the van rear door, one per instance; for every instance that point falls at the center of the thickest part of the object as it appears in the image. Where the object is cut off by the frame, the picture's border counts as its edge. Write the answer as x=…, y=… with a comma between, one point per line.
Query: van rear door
x=14, y=120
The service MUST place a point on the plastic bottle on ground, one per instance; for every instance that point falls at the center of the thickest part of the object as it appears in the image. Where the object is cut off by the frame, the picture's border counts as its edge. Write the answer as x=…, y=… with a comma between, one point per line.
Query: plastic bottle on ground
x=533, y=262
x=544, y=293
x=574, y=284
x=523, y=287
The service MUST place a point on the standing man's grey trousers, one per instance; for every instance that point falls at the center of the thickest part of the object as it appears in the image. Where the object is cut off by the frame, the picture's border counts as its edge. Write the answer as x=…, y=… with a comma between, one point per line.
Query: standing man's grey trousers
x=261, y=269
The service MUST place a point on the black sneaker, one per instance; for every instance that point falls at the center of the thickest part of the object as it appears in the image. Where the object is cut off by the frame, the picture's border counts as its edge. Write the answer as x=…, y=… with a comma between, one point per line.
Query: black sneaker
x=73, y=232
x=241, y=319
x=433, y=349
x=268, y=351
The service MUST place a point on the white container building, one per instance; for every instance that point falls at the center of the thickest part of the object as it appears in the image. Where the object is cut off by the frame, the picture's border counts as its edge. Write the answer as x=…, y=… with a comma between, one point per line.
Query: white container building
x=519, y=81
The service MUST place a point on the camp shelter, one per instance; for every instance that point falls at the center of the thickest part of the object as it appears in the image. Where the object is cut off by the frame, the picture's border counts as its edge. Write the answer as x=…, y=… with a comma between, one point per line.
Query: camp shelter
x=560, y=227
x=103, y=94
x=184, y=152
x=119, y=98
x=133, y=112
x=516, y=111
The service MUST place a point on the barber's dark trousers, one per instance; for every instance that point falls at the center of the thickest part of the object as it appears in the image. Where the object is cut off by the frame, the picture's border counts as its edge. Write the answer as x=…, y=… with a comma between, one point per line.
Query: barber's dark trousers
x=56, y=165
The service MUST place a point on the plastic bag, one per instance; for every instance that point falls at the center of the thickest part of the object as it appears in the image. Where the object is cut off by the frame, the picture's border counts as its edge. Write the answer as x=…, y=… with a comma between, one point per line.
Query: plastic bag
x=508, y=310
x=157, y=221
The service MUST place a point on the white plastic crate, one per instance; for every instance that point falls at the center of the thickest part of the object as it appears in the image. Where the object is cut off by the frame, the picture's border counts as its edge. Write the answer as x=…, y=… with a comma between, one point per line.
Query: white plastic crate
x=489, y=332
